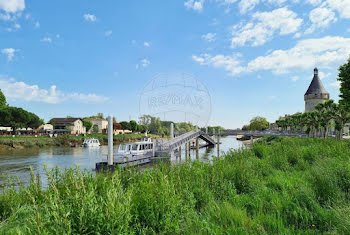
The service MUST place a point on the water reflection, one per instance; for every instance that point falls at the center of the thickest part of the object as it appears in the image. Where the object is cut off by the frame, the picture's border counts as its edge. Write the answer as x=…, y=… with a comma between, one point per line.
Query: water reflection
x=18, y=163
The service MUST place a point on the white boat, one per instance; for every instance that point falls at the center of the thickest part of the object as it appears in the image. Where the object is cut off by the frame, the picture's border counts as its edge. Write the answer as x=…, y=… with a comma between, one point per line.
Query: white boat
x=91, y=142
x=134, y=151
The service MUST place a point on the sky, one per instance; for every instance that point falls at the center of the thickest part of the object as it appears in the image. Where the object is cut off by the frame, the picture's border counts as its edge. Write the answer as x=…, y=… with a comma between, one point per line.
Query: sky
x=255, y=57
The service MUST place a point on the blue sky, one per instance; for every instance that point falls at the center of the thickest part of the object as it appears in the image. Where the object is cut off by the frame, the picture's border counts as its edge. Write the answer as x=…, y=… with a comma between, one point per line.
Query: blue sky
x=256, y=57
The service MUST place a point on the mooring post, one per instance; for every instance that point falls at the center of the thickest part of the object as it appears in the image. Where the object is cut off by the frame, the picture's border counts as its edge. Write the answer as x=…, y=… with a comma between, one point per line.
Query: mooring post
x=251, y=139
x=110, y=140
x=218, y=143
x=153, y=148
x=180, y=149
x=171, y=131
x=197, y=148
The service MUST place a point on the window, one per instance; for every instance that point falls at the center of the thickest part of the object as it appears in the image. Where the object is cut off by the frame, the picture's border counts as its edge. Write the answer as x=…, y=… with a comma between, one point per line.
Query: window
x=134, y=147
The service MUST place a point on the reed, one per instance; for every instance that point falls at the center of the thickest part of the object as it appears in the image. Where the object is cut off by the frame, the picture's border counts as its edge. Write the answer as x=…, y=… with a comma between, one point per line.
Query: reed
x=279, y=186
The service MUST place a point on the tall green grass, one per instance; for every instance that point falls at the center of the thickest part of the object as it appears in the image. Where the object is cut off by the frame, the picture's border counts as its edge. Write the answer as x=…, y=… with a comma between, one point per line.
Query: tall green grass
x=279, y=186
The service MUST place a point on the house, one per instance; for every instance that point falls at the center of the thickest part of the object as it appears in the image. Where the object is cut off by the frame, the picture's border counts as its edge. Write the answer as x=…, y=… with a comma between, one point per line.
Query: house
x=101, y=123
x=45, y=128
x=118, y=129
x=71, y=126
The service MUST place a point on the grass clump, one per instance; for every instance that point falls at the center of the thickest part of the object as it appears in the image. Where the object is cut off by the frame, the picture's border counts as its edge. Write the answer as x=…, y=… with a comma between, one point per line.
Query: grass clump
x=279, y=186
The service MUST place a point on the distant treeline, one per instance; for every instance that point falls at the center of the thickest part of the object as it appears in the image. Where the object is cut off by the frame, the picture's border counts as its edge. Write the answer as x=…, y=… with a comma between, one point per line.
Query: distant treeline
x=17, y=117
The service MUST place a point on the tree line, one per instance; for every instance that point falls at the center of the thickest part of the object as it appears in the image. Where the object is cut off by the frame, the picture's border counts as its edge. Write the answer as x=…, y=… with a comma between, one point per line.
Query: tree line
x=327, y=114
x=15, y=117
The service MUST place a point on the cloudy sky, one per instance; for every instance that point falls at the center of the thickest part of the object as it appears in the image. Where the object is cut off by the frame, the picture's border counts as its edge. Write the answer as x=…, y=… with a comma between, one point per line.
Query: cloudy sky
x=256, y=57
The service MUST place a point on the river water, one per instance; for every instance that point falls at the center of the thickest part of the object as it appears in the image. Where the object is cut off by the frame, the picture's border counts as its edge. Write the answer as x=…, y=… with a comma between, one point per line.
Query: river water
x=17, y=163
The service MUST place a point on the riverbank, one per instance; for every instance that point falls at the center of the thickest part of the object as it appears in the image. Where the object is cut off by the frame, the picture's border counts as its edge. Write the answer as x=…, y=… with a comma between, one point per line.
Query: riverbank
x=279, y=186
x=18, y=142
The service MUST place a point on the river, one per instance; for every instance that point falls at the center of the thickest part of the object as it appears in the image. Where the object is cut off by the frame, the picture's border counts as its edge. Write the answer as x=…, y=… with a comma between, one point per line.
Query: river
x=17, y=163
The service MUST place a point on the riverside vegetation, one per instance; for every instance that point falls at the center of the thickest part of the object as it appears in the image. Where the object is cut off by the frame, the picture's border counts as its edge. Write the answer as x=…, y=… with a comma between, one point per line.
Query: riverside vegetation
x=280, y=185
x=7, y=143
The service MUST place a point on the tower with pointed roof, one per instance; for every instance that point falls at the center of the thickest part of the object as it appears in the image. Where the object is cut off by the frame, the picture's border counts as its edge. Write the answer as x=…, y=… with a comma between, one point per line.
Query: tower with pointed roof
x=315, y=93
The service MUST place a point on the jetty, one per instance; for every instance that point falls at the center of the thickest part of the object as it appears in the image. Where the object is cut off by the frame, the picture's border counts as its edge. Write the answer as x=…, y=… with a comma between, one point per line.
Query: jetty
x=161, y=148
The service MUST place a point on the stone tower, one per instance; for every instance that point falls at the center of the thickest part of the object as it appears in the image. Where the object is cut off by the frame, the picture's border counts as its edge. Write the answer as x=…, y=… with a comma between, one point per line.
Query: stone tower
x=315, y=93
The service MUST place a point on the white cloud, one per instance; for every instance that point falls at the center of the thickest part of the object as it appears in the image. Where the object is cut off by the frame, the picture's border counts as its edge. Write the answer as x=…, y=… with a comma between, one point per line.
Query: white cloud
x=145, y=63
x=306, y=54
x=108, y=33
x=314, y=2
x=37, y=24
x=12, y=6
x=335, y=84
x=90, y=17
x=46, y=39
x=264, y=26
x=210, y=37
x=247, y=5
x=320, y=18
x=9, y=52
x=342, y=6
x=295, y=78
x=229, y=63
x=146, y=44
x=194, y=5
x=309, y=53
x=323, y=75
x=21, y=91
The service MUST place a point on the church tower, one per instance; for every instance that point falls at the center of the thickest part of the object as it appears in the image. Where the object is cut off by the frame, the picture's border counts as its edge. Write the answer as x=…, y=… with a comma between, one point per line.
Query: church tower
x=315, y=93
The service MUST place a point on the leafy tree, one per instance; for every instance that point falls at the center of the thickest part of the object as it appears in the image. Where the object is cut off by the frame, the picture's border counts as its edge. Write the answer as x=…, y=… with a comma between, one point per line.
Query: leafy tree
x=125, y=125
x=133, y=125
x=19, y=118
x=95, y=129
x=34, y=121
x=258, y=124
x=344, y=79
x=141, y=128
x=5, y=116
x=87, y=123
x=2, y=99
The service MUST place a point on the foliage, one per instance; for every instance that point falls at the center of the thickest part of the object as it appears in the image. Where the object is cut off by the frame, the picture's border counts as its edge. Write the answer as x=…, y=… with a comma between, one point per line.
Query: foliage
x=280, y=186
x=133, y=125
x=125, y=125
x=18, y=118
x=87, y=123
x=258, y=124
x=344, y=79
x=317, y=122
x=2, y=99
x=95, y=129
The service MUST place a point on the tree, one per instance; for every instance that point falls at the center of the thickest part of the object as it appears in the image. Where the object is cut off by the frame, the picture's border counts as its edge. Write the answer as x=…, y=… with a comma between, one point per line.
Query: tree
x=258, y=124
x=141, y=128
x=34, y=121
x=95, y=129
x=2, y=99
x=133, y=125
x=344, y=79
x=125, y=125
x=87, y=123
x=19, y=118
x=327, y=112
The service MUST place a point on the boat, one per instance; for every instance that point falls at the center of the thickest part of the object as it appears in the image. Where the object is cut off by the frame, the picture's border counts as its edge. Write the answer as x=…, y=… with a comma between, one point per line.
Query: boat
x=91, y=142
x=136, y=148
